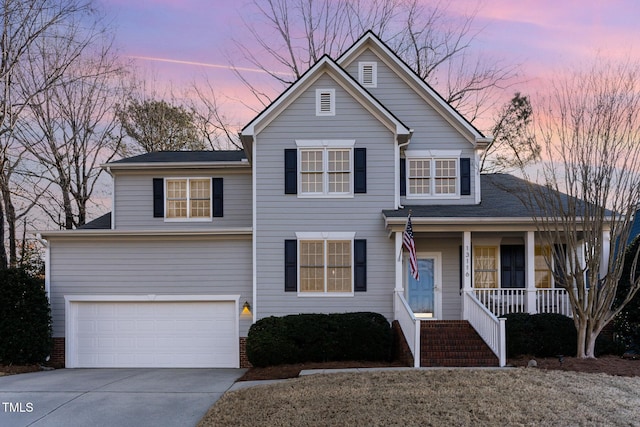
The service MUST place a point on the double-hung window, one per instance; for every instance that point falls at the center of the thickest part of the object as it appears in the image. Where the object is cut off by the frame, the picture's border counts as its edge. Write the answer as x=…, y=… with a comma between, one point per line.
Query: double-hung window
x=326, y=263
x=542, y=270
x=431, y=174
x=485, y=266
x=188, y=198
x=326, y=168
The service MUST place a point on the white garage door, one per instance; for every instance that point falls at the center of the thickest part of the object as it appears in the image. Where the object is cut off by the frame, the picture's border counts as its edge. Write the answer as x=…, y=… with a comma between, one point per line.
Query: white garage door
x=154, y=334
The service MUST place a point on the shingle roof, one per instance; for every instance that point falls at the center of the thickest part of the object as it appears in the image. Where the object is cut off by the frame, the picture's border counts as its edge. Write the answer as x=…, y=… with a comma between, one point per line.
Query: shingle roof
x=499, y=200
x=100, y=223
x=185, y=157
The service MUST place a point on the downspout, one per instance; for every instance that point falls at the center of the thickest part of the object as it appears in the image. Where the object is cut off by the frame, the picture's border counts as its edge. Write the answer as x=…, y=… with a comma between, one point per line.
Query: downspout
x=254, y=221
x=113, y=198
x=397, y=169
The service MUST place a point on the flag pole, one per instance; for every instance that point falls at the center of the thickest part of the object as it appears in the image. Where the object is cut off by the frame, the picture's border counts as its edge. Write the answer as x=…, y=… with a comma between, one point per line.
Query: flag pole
x=405, y=225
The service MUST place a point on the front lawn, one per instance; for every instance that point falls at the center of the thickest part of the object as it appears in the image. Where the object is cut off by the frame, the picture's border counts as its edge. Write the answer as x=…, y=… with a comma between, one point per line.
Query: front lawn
x=443, y=397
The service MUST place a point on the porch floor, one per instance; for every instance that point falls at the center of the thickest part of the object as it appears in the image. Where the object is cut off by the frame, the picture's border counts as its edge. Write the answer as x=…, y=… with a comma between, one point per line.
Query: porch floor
x=453, y=343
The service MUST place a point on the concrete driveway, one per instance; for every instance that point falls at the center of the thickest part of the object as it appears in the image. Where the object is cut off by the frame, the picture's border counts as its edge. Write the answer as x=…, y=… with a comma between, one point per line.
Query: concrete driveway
x=112, y=397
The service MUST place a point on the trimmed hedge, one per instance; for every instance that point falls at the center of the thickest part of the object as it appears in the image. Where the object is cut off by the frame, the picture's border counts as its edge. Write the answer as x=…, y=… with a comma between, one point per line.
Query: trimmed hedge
x=541, y=335
x=319, y=338
x=25, y=318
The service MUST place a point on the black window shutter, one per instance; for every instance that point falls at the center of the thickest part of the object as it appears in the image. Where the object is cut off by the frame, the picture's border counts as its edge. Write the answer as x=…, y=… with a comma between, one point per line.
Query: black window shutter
x=218, y=197
x=360, y=169
x=290, y=171
x=158, y=197
x=512, y=264
x=290, y=265
x=360, y=265
x=465, y=176
x=403, y=177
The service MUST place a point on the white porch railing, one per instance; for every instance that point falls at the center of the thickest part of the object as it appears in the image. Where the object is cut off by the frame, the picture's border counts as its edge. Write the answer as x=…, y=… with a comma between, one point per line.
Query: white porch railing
x=489, y=327
x=409, y=324
x=501, y=301
x=553, y=300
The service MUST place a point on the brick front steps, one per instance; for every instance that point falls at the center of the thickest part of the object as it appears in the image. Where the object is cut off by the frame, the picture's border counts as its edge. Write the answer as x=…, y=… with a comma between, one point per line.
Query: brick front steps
x=453, y=343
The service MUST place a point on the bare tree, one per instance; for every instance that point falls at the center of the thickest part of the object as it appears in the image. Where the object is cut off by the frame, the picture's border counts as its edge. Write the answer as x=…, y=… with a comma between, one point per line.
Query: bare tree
x=293, y=34
x=513, y=146
x=589, y=129
x=71, y=129
x=215, y=128
x=25, y=25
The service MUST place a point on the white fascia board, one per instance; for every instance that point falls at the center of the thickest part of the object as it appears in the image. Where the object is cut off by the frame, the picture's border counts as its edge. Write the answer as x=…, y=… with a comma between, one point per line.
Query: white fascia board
x=240, y=231
x=149, y=297
x=345, y=81
x=176, y=165
x=432, y=98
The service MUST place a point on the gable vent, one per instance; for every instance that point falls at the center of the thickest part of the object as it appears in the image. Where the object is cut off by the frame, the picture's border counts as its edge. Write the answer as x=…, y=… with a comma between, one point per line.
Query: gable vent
x=325, y=102
x=368, y=74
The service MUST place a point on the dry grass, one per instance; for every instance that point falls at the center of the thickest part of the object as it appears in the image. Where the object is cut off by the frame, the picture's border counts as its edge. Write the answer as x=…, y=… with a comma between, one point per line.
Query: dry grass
x=526, y=397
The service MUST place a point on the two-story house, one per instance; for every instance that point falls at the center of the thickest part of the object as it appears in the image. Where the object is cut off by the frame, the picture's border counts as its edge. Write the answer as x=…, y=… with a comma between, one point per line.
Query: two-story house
x=308, y=218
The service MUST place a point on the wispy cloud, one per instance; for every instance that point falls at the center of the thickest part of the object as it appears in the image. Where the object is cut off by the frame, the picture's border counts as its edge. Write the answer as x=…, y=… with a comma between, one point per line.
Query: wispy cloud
x=204, y=64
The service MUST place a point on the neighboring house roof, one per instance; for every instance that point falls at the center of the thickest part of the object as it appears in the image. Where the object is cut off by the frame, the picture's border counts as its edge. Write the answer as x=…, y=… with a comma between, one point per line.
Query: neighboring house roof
x=324, y=65
x=501, y=203
x=429, y=94
x=178, y=158
x=101, y=223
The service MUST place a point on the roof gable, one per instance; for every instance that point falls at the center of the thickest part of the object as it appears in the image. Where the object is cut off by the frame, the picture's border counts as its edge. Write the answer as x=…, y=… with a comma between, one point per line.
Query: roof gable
x=372, y=42
x=324, y=66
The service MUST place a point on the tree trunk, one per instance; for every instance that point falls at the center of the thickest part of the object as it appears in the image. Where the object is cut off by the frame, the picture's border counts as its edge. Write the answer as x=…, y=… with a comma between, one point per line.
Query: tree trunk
x=3, y=253
x=590, y=345
x=10, y=217
x=581, y=328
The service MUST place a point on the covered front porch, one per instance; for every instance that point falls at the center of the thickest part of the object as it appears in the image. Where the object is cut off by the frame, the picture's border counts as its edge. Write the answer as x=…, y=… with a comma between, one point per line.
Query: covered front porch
x=476, y=276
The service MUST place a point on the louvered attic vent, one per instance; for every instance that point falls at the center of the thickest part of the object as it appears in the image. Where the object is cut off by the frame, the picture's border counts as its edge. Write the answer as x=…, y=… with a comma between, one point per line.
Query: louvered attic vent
x=368, y=77
x=325, y=102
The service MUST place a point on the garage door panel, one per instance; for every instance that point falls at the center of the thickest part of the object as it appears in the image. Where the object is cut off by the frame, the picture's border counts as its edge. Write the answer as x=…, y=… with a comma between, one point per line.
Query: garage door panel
x=156, y=334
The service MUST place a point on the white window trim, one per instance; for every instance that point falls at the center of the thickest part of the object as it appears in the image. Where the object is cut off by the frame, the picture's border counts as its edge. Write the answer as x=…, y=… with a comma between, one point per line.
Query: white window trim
x=332, y=102
x=374, y=73
x=325, y=145
x=432, y=156
x=188, y=218
x=300, y=236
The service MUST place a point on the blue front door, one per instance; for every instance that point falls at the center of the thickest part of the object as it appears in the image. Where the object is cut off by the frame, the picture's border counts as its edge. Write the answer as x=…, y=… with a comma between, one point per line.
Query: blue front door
x=421, y=293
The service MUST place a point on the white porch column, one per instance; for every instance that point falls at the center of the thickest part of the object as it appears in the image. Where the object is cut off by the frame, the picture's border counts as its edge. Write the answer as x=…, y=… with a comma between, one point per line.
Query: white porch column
x=466, y=261
x=530, y=276
x=398, y=254
x=466, y=268
x=606, y=247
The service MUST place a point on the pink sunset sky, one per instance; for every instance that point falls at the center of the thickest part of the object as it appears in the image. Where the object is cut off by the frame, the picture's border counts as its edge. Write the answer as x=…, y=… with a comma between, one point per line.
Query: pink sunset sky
x=179, y=41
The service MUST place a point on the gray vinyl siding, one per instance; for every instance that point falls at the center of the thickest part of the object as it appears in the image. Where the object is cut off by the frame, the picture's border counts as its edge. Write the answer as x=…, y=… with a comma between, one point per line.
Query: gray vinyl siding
x=133, y=199
x=449, y=248
x=160, y=266
x=431, y=130
x=280, y=216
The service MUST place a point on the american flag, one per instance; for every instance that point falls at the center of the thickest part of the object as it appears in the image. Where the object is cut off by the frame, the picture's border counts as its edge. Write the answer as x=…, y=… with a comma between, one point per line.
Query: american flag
x=410, y=245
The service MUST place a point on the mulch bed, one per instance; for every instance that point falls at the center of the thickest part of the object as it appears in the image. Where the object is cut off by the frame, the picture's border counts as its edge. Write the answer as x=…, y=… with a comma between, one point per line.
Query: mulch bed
x=292, y=371
x=18, y=369
x=612, y=365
